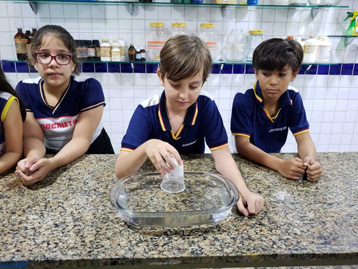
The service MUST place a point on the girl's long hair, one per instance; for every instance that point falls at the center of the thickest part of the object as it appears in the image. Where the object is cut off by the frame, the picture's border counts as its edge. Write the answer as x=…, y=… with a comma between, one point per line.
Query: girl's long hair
x=6, y=87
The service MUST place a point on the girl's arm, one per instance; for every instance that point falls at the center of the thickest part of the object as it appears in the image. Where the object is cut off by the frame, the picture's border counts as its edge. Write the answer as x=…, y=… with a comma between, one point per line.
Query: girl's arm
x=159, y=152
x=291, y=168
x=82, y=136
x=249, y=202
x=13, y=130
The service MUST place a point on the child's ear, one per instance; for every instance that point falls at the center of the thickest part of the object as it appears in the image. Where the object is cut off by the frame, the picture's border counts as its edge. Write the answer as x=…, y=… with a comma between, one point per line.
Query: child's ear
x=256, y=73
x=294, y=75
x=160, y=78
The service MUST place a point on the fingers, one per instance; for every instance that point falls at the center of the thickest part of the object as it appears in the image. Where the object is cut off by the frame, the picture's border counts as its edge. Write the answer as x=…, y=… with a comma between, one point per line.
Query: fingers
x=242, y=208
x=25, y=179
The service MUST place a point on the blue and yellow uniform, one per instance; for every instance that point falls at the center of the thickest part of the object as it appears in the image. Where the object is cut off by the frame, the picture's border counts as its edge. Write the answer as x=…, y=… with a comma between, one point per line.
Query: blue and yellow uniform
x=58, y=122
x=6, y=100
x=202, y=123
x=250, y=119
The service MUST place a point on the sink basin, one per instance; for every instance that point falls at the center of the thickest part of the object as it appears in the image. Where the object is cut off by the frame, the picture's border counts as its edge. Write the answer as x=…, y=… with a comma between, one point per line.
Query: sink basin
x=207, y=199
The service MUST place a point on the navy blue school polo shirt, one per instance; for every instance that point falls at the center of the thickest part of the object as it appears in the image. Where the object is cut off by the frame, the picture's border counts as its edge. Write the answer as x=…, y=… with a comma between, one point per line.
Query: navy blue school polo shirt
x=58, y=122
x=252, y=120
x=202, y=123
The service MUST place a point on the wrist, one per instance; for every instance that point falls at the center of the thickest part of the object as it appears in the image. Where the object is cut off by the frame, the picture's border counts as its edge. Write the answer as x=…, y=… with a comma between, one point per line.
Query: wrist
x=53, y=163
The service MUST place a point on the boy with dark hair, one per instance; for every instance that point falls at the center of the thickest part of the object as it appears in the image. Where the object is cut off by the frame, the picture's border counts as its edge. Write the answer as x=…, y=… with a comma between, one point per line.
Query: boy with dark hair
x=261, y=117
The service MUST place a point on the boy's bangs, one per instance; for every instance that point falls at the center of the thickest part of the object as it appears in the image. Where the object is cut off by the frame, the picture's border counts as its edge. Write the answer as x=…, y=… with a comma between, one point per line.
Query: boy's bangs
x=190, y=67
x=277, y=60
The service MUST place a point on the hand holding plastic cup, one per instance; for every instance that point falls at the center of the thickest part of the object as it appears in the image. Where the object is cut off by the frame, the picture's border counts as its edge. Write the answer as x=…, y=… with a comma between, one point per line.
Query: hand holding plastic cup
x=173, y=182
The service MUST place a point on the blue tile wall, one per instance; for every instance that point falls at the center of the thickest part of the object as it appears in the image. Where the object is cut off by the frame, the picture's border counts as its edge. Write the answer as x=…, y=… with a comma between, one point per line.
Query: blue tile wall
x=101, y=67
x=22, y=67
x=323, y=70
x=347, y=69
x=249, y=69
x=8, y=67
x=311, y=70
x=335, y=69
x=239, y=69
x=226, y=69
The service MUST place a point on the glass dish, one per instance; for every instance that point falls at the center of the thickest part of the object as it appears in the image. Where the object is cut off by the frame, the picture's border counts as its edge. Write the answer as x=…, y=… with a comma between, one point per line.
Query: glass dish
x=207, y=199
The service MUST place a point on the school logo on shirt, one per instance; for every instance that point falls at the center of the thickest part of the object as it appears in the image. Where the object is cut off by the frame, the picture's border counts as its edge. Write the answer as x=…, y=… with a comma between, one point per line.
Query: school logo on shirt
x=278, y=129
x=190, y=143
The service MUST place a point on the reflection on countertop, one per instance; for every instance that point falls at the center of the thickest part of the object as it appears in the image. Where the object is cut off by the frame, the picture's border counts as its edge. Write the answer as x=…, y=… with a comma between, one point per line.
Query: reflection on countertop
x=68, y=220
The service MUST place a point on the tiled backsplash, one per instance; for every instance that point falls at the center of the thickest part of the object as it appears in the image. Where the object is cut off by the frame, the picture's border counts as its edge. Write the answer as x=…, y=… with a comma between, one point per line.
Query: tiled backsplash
x=330, y=92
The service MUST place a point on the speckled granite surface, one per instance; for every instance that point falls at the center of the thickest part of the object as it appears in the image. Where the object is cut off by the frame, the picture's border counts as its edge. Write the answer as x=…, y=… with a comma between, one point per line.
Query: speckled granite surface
x=68, y=220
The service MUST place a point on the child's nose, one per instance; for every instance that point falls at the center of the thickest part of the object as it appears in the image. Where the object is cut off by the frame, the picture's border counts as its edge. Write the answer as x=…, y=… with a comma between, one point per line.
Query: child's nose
x=183, y=94
x=274, y=80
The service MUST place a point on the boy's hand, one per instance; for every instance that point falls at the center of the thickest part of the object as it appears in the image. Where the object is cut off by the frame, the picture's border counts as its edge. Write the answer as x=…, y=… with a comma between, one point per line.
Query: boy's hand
x=160, y=154
x=314, y=169
x=292, y=168
x=252, y=203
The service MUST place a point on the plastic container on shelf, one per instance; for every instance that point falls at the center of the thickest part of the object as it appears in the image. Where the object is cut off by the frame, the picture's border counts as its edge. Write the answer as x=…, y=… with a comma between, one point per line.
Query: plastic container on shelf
x=310, y=50
x=179, y=28
x=254, y=38
x=324, y=50
x=157, y=38
x=105, y=48
x=115, y=52
x=235, y=46
x=225, y=2
x=208, y=34
x=297, y=2
x=123, y=49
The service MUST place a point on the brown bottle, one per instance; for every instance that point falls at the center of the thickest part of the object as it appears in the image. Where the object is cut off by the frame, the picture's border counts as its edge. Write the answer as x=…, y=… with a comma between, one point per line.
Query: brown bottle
x=131, y=53
x=28, y=44
x=20, y=44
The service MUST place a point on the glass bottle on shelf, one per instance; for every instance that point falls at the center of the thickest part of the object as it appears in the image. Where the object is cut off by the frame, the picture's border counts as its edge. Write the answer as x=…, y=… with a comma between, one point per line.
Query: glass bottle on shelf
x=208, y=35
x=235, y=46
x=131, y=53
x=179, y=28
x=254, y=38
x=20, y=44
x=157, y=37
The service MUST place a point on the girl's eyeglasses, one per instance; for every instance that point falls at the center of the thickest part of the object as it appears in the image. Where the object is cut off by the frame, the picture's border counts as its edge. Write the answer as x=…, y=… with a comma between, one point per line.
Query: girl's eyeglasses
x=45, y=58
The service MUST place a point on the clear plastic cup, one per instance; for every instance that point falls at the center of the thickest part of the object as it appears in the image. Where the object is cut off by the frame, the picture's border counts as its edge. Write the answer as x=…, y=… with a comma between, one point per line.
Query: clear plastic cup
x=173, y=182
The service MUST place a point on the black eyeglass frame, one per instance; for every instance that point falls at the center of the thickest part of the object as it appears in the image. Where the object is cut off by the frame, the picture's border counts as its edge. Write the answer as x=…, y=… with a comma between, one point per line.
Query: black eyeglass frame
x=53, y=57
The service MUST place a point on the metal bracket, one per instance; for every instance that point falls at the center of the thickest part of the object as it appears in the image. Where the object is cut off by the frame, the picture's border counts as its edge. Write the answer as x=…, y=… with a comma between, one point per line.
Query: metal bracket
x=130, y=8
x=314, y=12
x=34, y=7
x=224, y=9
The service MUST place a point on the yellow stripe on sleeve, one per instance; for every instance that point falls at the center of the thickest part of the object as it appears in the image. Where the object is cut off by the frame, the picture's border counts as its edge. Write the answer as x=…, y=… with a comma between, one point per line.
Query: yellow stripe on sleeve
x=301, y=132
x=126, y=149
x=219, y=147
x=7, y=106
x=241, y=134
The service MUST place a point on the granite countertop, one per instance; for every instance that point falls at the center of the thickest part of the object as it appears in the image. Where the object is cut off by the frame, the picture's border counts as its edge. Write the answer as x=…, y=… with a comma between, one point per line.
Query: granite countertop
x=68, y=220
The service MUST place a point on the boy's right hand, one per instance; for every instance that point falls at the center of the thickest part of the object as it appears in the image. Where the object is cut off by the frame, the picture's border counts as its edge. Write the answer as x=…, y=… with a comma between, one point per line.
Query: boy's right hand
x=160, y=154
x=291, y=168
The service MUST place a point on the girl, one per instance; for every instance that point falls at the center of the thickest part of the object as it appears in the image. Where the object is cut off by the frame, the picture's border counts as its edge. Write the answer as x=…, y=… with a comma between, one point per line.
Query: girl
x=11, y=128
x=181, y=120
x=63, y=112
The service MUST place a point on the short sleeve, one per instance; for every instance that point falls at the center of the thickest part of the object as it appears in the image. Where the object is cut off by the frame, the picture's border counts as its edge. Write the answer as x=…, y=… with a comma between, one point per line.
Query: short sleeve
x=92, y=95
x=138, y=130
x=241, y=118
x=22, y=94
x=297, y=120
x=215, y=133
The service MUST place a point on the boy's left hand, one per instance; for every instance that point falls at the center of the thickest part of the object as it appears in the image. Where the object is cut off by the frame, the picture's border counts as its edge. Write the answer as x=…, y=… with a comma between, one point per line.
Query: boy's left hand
x=314, y=169
x=251, y=203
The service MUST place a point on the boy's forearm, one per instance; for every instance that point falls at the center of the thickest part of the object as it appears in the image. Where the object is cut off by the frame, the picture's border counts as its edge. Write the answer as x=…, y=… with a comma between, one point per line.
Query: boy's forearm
x=257, y=155
x=306, y=148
